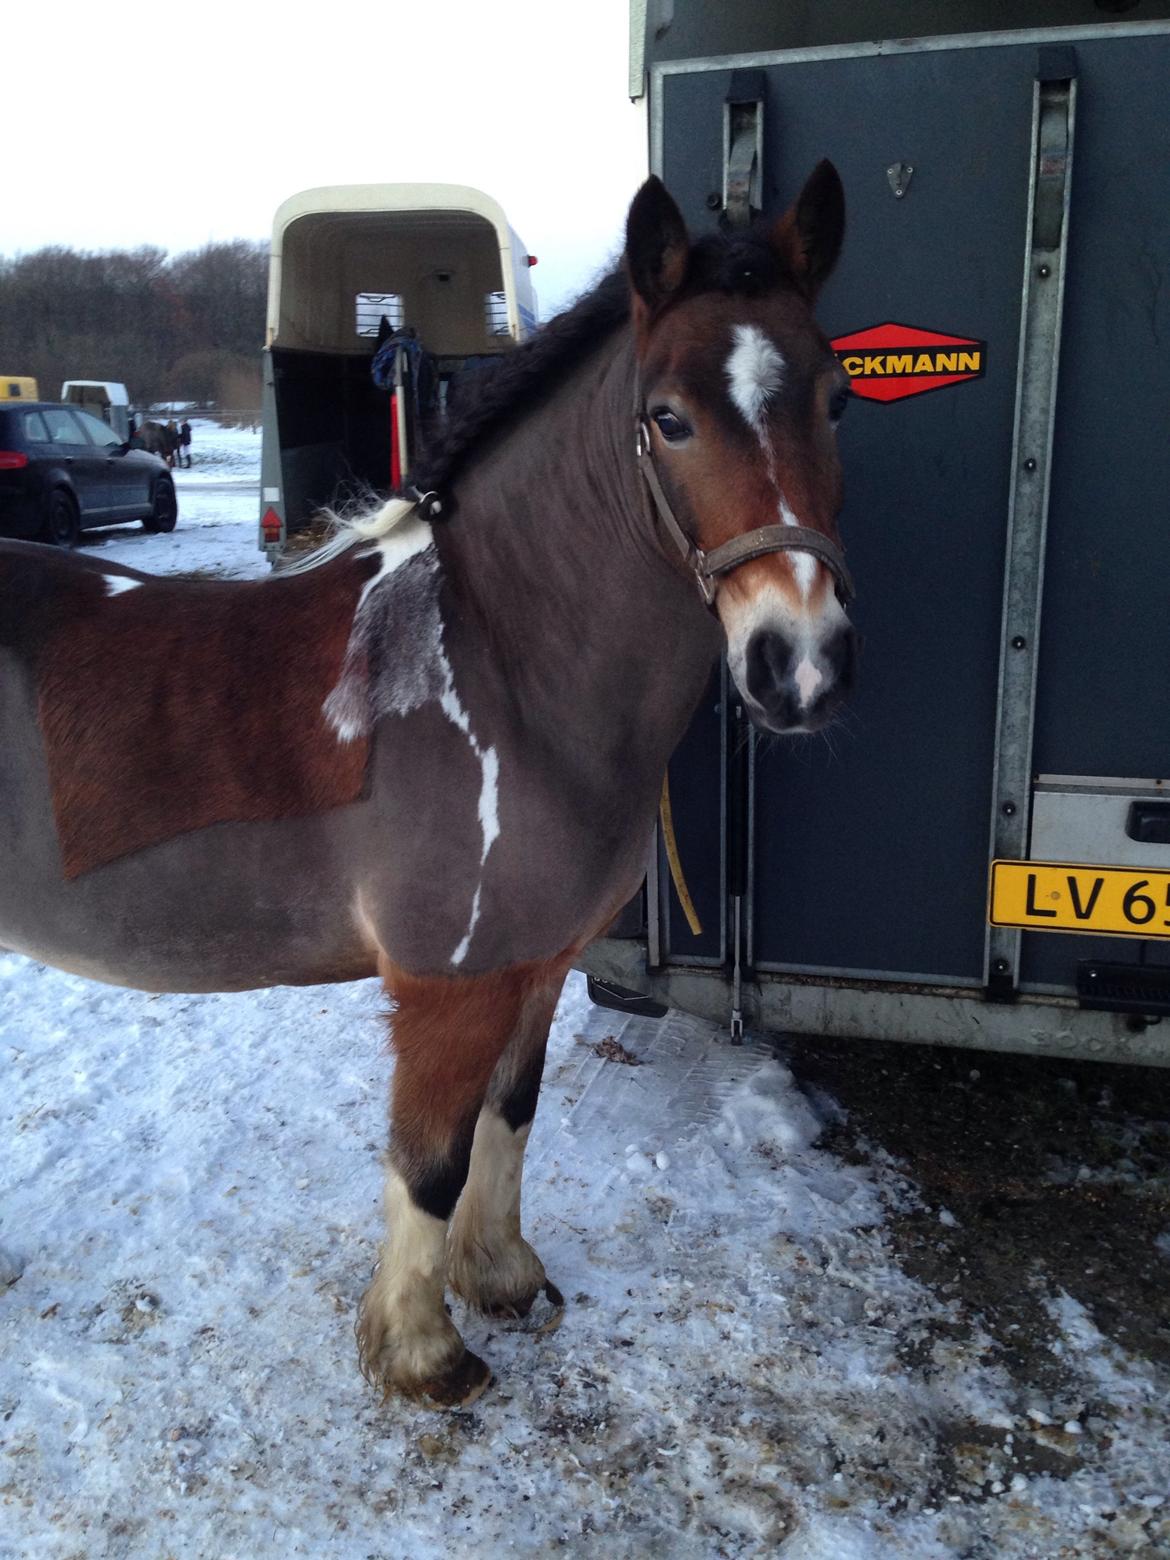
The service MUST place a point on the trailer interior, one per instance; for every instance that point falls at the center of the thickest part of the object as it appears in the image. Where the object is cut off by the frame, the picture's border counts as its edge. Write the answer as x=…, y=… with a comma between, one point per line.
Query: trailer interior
x=437, y=273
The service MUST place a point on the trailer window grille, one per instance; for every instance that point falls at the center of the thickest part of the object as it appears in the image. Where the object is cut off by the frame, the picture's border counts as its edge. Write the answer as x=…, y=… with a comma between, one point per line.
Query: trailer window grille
x=495, y=313
x=373, y=306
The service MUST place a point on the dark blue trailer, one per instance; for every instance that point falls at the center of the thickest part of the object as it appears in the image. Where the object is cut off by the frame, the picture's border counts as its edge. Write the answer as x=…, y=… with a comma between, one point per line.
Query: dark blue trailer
x=979, y=854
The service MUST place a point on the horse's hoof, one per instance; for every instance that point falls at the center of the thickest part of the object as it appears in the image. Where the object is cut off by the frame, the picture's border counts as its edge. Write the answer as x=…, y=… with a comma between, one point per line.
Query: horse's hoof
x=516, y=1310
x=557, y=1301
x=509, y=1310
x=460, y=1386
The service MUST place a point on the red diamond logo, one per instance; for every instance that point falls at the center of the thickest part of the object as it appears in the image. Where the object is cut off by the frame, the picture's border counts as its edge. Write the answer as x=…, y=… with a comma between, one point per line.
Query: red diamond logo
x=890, y=362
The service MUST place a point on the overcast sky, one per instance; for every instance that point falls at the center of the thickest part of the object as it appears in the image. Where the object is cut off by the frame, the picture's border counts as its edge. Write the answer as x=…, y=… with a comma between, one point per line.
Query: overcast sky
x=173, y=124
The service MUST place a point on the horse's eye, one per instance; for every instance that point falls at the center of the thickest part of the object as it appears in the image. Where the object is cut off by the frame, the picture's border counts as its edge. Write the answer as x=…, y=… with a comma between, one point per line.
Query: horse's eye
x=671, y=427
x=838, y=401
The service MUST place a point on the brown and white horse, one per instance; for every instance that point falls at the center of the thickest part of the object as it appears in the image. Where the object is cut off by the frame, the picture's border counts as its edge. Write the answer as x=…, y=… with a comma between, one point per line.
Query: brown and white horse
x=435, y=753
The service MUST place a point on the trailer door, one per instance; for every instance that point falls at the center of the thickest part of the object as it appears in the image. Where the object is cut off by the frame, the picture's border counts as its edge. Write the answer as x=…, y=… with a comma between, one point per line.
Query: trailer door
x=868, y=847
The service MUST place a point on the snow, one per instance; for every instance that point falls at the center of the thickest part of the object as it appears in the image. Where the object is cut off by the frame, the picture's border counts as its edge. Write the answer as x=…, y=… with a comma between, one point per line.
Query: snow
x=189, y=1210
x=219, y=509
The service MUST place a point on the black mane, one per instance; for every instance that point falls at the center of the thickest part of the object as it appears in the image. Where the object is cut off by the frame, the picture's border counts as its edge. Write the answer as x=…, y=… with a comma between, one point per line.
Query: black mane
x=516, y=379
x=744, y=263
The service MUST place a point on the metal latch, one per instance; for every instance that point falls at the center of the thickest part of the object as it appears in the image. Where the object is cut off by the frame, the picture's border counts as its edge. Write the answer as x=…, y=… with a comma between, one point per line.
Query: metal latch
x=743, y=146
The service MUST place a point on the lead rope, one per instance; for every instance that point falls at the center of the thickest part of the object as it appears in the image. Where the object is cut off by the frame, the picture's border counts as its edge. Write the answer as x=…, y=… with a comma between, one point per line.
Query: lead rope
x=677, y=877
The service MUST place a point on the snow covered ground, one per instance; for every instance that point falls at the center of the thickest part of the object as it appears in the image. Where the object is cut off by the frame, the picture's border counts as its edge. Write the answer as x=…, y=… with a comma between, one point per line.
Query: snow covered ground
x=219, y=512
x=750, y=1363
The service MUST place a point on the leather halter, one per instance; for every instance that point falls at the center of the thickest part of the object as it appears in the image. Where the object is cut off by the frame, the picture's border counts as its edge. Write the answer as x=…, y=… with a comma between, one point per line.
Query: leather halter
x=708, y=566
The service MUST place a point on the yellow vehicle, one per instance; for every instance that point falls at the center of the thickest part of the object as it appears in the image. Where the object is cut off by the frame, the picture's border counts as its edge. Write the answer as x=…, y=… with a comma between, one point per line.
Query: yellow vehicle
x=14, y=387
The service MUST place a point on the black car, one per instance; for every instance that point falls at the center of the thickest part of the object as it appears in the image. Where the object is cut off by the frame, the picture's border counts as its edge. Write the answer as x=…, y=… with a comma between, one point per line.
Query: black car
x=63, y=471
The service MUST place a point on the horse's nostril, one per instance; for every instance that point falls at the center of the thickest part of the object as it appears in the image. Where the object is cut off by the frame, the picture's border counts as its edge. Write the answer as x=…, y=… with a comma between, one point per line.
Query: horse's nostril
x=769, y=661
x=840, y=656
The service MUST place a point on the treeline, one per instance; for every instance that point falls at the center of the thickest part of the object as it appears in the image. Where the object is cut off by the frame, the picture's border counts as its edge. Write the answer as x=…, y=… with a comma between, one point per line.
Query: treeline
x=188, y=327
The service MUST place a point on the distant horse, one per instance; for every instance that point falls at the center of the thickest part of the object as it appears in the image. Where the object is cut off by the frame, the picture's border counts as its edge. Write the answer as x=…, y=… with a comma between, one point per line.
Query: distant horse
x=435, y=752
x=156, y=439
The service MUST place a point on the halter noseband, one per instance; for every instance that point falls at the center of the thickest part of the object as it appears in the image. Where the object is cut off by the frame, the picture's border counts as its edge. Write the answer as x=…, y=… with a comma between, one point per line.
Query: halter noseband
x=708, y=566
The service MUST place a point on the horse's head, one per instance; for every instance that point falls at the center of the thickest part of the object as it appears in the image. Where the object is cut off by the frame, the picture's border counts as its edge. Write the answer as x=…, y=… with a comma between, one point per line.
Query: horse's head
x=737, y=405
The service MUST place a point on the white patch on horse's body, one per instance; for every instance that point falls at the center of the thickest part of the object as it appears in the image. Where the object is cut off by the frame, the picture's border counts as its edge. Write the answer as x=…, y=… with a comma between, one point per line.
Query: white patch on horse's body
x=398, y=613
x=755, y=372
x=409, y=537
x=804, y=565
x=489, y=796
x=117, y=583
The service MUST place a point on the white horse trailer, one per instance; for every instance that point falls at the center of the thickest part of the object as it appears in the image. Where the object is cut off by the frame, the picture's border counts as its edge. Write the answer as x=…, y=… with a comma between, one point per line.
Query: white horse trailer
x=434, y=274
x=103, y=398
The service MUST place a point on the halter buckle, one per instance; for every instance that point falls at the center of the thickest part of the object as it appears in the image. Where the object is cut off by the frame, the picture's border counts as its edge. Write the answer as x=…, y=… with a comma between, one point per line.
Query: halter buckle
x=707, y=582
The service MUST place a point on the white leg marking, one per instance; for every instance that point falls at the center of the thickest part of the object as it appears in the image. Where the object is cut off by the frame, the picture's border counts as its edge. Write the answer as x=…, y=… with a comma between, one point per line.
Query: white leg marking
x=755, y=373
x=408, y=1338
x=490, y=1264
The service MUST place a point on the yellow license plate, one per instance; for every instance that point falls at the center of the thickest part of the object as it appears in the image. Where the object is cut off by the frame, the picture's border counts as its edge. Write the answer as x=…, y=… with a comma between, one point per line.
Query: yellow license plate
x=1059, y=896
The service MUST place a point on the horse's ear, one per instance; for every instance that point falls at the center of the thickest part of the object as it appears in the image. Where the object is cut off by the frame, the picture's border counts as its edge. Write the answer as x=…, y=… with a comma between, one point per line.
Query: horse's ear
x=657, y=246
x=809, y=234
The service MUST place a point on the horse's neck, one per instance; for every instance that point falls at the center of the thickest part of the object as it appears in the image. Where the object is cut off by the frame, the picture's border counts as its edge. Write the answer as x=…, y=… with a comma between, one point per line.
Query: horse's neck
x=555, y=565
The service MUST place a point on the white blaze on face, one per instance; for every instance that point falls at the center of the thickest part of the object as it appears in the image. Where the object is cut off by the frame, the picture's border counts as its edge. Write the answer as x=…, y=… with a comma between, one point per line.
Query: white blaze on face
x=117, y=583
x=755, y=373
x=804, y=565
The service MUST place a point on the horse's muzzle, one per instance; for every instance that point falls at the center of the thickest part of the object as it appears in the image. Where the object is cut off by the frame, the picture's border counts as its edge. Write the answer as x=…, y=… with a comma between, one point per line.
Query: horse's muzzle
x=793, y=687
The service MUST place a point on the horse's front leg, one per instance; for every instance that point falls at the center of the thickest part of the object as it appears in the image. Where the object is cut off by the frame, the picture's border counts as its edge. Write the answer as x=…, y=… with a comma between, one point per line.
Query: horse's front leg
x=490, y=1264
x=448, y=1035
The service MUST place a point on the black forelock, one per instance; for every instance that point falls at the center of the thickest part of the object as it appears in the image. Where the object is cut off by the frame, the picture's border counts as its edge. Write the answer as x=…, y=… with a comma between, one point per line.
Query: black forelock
x=743, y=263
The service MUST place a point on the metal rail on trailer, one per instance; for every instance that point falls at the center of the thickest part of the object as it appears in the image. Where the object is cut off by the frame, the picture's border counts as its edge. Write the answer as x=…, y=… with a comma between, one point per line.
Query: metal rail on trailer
x=1009, y=253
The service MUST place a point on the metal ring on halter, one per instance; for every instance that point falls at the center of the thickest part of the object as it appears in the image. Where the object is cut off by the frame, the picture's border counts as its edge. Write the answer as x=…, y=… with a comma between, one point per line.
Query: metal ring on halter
x=429, y=504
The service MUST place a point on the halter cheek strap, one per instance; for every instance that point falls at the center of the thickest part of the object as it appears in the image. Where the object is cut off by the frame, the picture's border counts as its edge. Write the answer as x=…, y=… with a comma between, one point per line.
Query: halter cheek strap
x=708, y=566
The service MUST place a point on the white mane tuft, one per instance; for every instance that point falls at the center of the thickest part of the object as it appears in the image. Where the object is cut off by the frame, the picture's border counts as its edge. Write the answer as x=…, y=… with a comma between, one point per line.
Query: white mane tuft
x=368, y=525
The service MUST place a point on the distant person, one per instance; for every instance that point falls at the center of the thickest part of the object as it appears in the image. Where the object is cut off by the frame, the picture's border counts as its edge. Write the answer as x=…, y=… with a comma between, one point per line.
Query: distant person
x=185, y=443
x=133, y=429
x=172, y=433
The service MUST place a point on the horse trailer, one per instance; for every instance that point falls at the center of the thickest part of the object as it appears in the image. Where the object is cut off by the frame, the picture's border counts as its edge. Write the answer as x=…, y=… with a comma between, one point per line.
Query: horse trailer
x=105, y=399
x=433, y=274
x=979, y=853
